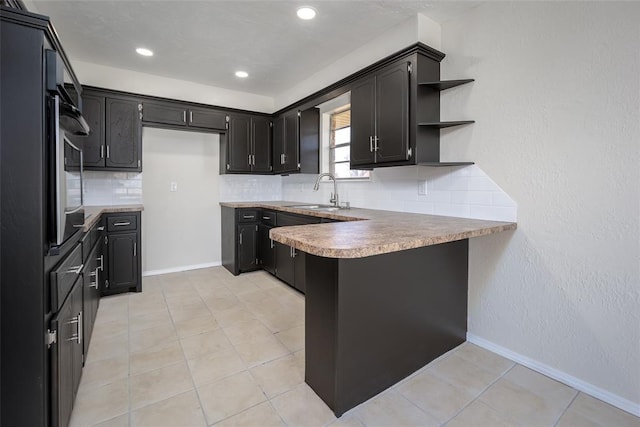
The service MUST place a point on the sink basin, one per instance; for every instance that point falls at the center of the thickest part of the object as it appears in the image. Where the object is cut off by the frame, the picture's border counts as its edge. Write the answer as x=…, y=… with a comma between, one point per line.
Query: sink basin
x=327, y=208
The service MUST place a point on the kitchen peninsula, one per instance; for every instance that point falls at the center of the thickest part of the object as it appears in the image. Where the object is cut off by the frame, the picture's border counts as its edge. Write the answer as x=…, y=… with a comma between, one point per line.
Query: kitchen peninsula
x=385, y=293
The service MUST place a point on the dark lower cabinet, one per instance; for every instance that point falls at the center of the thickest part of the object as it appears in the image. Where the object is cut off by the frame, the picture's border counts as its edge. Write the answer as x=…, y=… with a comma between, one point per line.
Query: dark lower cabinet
x=123, y=260
x=266, y=249
x=67, y=355
x=285, y=269
x=247, y=246
x=91, y=297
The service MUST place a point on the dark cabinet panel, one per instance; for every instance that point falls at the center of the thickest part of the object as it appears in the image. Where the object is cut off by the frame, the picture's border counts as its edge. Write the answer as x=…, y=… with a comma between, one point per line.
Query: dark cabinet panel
x=91, y=293
x=239, y=143
x=207, y=119
x=166, y=113
x=93, y=145
x=310, y=141
x=284, y=263
x=123, y=260
x=266, y=249
x=67, y=351
x=261, y=144
x=123, y=134
x=286, y=143
x=363, y=121
x=392, y=113
x=247, y=246
x=380, y=117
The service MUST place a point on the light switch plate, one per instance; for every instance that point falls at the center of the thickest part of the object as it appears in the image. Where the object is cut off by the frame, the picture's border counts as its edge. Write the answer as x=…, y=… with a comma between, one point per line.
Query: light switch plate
x=174, y=187
x=422, y=187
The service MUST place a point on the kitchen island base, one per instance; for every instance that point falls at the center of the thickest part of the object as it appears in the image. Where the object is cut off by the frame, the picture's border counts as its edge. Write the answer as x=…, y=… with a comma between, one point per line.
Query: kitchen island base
x=373, y=321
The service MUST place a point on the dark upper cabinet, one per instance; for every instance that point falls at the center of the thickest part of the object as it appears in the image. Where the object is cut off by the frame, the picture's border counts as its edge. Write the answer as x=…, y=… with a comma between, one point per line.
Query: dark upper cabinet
x=93, y=145
x=239, y=143
x=123, y=134
x=261, y=144
x=296, y=142
x=206, y=119
x=172, y=114
x=164, y=113
x=363, y=121
x=248, y=144
x=380, y=117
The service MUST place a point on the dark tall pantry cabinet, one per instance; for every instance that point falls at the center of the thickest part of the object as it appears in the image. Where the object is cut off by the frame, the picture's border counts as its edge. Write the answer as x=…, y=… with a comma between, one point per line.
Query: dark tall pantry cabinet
x=26, y=308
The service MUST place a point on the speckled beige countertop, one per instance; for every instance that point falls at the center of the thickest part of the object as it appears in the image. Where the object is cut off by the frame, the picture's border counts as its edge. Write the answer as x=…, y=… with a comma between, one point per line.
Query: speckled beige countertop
x=368, y=232
x=92, y=213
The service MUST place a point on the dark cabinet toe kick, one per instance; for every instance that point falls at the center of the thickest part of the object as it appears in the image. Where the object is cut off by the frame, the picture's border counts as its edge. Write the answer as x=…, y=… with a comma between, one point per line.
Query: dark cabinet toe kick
x=370, y=322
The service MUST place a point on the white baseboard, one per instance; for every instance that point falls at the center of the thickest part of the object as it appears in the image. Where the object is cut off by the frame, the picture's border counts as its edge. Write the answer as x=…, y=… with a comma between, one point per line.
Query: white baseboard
x=563, y=377
x=182, y=268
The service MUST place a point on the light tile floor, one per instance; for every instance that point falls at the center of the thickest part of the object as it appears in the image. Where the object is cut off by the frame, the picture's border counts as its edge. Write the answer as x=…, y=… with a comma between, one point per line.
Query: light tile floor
x=207, y=348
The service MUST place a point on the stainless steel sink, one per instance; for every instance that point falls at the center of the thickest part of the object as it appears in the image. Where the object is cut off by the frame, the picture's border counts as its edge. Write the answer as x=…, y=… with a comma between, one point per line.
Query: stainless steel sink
x=327, y=208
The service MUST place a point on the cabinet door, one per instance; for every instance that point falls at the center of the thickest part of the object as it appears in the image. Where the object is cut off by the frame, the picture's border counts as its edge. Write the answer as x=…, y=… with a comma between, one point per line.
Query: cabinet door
x=299, y=270
x=392, y=113
x=207, y=119
x=165, y=114
x=284, y=264
x=93, y=149
x=291, y=142
x=247, y=239
x=239, y=143
x=266, y=249
x=123, y=260
x=310, y=141
x=91, y=294
x=124, y=135
x=278, y=144
x=363, y=122
x=261, y=144
x=66, y=356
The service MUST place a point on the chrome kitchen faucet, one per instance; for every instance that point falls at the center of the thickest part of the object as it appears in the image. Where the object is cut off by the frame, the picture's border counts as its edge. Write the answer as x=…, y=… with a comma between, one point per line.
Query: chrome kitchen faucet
x=334, y=196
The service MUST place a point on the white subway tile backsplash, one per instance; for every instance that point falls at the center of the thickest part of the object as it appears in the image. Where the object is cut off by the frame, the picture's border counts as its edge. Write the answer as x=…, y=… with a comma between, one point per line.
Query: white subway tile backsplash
x=112, y=188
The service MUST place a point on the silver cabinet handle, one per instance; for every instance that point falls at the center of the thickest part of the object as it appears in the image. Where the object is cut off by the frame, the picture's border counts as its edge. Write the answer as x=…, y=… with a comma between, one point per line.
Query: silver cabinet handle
x=94, y=274
x=371, y=144
x=375, y=143
x=76, y=269
x=240, y=238
x=107, y=151
x=102, y=151
x=135, y=249
x=248, y=216
x=249, y=159
x=118, y=224
x=80, y=328
x=184, y=116
x=101, y=228
x=266, y=217
x=101, y=259
x=272, y=245
x=190, y=116
x=77, y=320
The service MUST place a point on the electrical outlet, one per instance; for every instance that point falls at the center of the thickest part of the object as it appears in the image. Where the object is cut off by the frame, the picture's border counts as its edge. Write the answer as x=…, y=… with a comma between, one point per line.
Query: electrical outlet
x=422, y=188
x=174, y=187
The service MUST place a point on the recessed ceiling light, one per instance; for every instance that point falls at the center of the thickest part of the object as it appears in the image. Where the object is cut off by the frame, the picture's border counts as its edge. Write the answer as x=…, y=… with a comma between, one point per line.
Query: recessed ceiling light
x=242, y=74
x=144, y=51
x=306, y=13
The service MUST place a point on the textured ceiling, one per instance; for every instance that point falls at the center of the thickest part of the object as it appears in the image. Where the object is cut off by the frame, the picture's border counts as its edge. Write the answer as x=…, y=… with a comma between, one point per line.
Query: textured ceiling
x=206, y=41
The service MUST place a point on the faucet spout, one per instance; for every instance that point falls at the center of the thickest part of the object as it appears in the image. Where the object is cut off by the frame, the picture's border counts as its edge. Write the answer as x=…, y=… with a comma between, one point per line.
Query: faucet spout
x=334, y=196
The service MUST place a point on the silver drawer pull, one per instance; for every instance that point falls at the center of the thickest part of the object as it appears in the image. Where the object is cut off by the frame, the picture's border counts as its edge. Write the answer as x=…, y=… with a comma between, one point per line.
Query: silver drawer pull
x=76, y=269
x=248, y=216
x=266, y=217
x=100, y=228
x=118, y=224
x=101, y=259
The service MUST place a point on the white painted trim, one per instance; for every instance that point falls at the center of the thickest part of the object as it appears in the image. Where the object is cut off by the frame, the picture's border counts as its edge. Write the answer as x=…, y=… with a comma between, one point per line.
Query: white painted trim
x=182, y=268
x=556, y=374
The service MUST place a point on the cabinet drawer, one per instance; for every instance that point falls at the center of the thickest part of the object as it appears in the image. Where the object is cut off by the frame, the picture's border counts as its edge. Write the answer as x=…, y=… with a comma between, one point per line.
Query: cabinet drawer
x=268, y=218
x=64, y=276
x=122, y=223
x=285, y=219
x=247, y=215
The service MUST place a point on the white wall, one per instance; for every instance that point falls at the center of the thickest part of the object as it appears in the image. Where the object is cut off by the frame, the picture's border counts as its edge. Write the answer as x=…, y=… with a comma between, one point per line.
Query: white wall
x=147, y=84
x=181, y=229
x=556, y=100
